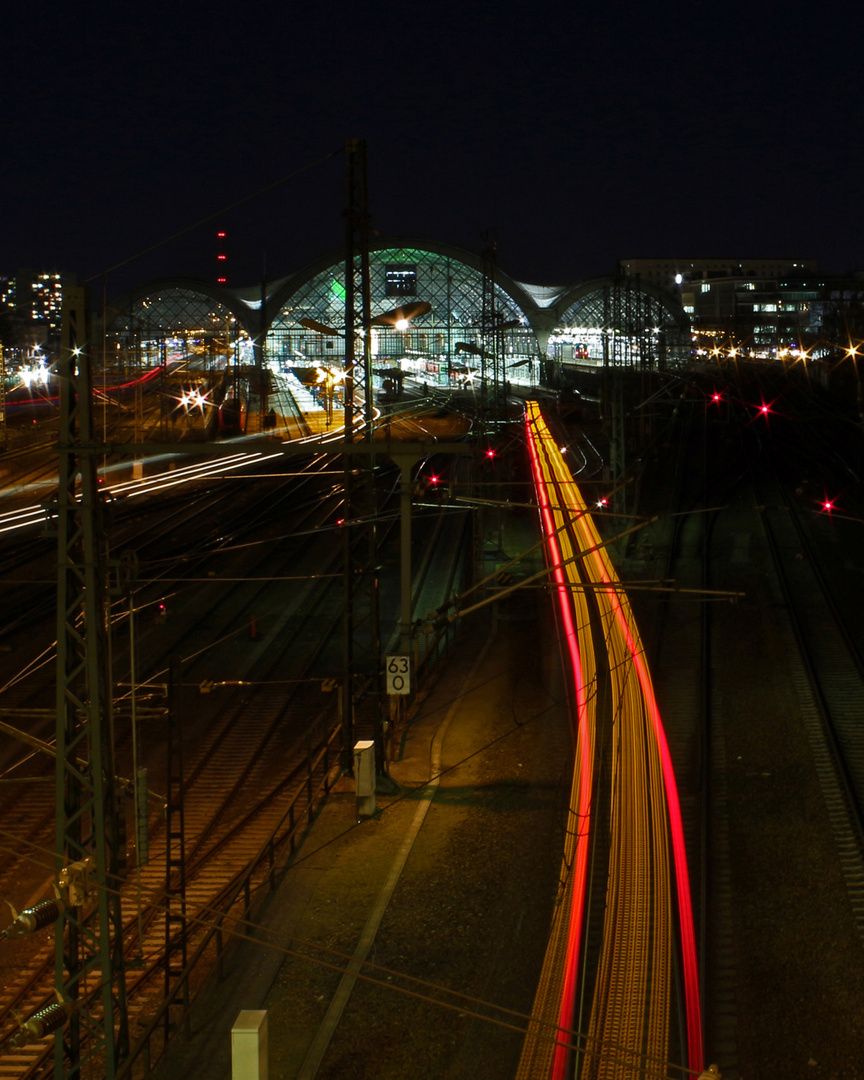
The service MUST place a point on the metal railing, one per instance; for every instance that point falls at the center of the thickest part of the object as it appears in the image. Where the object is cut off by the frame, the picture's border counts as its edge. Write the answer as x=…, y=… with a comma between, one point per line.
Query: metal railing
x=322, y=769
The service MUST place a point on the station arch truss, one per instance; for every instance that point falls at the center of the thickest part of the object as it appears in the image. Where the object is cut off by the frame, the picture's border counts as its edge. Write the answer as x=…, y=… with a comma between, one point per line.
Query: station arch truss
x=182, y=323
x=619, y=322
x=470, y=303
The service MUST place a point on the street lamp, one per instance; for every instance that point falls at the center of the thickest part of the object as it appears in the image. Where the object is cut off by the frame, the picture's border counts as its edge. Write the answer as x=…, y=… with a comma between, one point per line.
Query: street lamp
x=328, y=378
x=400, y=318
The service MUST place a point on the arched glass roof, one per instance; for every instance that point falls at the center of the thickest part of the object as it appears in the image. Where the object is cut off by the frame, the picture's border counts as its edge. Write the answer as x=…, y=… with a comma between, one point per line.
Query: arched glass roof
x=454, y=289
x=463, y=313
x=175, y=321
x=619, y=321
x=480, y=320
x=171, y=309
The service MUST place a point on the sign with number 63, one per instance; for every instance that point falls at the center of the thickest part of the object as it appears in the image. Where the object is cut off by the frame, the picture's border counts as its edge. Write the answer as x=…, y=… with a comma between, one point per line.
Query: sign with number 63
x=398, y=670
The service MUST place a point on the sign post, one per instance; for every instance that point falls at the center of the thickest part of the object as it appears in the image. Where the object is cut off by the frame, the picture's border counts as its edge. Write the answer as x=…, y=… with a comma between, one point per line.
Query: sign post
x=398, y=670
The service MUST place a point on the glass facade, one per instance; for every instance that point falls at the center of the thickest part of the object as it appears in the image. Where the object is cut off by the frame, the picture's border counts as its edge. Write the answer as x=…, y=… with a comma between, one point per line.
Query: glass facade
x=174, y=324
x=467, y=310
x=620, y=324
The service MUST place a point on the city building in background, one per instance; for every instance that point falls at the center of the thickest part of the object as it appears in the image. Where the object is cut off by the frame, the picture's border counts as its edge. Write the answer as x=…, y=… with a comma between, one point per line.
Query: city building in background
x=31, y=306
x=669, y=273
x=765, y=308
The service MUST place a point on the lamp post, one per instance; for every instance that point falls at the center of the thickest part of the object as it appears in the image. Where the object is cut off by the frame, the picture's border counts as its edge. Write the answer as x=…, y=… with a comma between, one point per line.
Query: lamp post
x=328, y=378
x=399, y=318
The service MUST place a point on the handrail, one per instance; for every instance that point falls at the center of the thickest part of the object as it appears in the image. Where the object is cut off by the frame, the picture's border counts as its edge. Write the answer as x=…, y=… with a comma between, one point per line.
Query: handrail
x=266, y=853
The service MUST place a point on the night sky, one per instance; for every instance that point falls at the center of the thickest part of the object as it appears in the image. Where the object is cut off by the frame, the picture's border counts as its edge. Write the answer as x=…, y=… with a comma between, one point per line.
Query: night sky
x=572, y=135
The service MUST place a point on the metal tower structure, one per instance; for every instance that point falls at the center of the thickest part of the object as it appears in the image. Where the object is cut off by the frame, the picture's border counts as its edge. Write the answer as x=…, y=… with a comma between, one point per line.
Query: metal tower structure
x=494, y=322
x=176, y=954
x=89, y=934
x=362, y=638
x=3, y=435
x=491, y=343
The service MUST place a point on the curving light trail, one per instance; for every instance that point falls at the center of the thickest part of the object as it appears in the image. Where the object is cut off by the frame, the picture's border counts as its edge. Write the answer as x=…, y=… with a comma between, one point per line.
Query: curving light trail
x=580, y=802
x=631, y=1000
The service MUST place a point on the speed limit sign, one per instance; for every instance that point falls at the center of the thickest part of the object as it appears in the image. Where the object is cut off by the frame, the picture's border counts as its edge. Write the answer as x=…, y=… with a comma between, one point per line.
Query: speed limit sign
x=398, y=670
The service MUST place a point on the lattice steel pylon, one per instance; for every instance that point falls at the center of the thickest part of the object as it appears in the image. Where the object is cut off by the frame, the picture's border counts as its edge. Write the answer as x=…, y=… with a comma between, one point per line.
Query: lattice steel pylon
x=176, y=941
x=362, y=636
x=491, y=344
x=89, y=936
x=3, y=436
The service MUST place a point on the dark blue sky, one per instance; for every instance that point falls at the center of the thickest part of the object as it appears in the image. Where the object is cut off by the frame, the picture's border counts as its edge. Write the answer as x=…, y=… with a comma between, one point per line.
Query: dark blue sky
x=576, y=134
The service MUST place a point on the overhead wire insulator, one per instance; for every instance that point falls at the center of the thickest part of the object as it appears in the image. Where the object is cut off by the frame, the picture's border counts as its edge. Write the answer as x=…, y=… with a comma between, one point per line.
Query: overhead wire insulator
x=45, y=1022
x=34, y=918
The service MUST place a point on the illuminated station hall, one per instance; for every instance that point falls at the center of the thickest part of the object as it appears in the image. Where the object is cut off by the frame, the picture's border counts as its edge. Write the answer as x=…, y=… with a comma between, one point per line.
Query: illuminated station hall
x=470, y=322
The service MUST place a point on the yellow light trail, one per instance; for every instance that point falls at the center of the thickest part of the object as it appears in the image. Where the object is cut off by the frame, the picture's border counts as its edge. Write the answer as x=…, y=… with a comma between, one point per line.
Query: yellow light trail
x=632, y=993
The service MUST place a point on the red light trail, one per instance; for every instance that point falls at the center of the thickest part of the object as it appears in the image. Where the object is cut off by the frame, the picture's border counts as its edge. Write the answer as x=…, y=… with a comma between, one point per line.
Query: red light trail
x=600, y=571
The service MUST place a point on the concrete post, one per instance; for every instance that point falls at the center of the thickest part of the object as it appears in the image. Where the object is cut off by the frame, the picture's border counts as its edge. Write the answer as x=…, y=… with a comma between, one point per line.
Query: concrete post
x=364, y=777
x=249, y=1045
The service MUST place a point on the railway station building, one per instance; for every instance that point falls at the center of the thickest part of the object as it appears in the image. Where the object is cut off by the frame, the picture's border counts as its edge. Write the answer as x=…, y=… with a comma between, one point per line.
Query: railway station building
x=481, y=323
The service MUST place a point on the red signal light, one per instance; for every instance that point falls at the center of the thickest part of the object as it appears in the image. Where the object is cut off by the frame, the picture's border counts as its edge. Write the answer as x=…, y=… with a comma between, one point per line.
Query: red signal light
x=766, y=409
x=490, y=453
x=221, y=255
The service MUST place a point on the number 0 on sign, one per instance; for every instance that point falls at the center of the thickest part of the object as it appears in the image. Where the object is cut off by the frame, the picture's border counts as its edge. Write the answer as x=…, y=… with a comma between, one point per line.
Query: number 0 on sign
x=398, y=674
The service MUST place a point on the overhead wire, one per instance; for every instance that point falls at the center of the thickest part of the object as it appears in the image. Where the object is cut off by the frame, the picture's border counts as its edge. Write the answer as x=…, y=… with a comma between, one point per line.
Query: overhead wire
x=208, y=917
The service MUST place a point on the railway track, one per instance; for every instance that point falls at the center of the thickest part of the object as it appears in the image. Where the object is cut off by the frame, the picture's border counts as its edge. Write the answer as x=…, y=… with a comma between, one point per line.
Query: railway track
x=234, y=803
x=617, y=985
x=828, y=676
x=749, y=499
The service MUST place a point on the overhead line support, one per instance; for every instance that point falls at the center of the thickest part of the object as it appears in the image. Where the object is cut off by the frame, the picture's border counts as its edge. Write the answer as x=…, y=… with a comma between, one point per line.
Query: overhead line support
x=89, y=966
